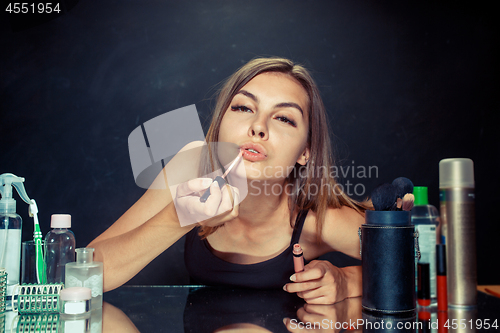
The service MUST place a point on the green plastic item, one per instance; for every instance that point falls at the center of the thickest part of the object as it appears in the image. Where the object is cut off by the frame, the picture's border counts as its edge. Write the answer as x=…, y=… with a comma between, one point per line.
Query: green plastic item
x=39, y=323
x=38, y=298
x=421, y=197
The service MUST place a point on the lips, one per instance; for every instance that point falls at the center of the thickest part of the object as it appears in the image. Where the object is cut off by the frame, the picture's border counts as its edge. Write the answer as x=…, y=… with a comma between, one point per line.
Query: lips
x=253, y=152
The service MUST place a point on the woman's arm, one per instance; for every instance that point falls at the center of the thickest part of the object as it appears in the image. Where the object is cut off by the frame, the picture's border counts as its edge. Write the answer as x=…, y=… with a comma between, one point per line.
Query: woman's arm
x=147, y=229
x=152, y=225
x=340, y=231
x=129, y=245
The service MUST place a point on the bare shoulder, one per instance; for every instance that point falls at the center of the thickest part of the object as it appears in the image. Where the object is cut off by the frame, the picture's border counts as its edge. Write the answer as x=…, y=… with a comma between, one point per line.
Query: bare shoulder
x=339, y=232
x=344, y=216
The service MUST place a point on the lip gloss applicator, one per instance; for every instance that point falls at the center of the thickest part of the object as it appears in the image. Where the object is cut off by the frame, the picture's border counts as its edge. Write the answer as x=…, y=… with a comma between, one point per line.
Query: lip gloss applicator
x=298, y=258
x=221, y=180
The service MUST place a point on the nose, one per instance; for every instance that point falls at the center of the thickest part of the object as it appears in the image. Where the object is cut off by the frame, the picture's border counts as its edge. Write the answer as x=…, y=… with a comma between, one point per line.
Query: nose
x=259, y=128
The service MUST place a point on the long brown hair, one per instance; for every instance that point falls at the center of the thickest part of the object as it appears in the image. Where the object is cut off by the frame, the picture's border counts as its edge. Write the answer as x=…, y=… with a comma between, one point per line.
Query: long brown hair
x=316, y=173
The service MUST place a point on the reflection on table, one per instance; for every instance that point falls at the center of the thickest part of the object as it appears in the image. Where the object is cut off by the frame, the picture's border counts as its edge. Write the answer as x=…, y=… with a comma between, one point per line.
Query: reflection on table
x=90, y=322
x=211, y=309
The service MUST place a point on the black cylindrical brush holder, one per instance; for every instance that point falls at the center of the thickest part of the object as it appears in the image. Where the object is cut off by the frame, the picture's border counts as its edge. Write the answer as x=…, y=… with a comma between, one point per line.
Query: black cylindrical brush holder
x=388, y=243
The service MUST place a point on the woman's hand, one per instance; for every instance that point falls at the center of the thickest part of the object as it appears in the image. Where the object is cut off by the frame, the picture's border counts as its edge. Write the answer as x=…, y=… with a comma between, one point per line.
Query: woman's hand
x=319, y=283
x=220, y=207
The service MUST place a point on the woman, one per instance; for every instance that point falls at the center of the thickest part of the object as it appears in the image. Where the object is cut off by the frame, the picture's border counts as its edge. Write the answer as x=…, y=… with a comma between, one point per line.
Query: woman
x=271, y=109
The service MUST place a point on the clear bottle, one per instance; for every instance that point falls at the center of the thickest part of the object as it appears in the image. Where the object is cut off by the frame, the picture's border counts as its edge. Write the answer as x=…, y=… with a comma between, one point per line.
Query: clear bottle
x=59, y=247
x=425, y=217
x=86, y=272
x=10, y=232
x=10, y=248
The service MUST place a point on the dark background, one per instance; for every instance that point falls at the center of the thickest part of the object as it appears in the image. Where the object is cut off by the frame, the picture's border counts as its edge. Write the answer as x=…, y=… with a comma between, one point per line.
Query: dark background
x=406, y=84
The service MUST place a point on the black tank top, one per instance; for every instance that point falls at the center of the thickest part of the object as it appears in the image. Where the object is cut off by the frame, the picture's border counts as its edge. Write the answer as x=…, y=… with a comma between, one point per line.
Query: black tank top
x=207, y=269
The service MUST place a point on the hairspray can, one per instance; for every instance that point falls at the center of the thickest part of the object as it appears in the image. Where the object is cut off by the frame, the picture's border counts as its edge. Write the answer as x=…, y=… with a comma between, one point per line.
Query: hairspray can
x=456, y=195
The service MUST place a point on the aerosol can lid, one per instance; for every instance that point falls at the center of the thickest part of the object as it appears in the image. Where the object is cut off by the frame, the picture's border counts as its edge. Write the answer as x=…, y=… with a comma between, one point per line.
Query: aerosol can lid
x=456, y=172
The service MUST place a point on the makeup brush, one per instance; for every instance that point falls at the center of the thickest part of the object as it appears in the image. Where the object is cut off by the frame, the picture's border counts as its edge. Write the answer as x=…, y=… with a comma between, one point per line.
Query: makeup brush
x=384, y=197
x=404, y=186
x=221, y=180
x=408, y=202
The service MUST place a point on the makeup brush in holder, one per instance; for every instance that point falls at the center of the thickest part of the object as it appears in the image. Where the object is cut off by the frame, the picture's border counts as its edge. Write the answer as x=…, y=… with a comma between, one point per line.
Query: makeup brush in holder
x=387, y=247
x=404, y=193
x=394, y=197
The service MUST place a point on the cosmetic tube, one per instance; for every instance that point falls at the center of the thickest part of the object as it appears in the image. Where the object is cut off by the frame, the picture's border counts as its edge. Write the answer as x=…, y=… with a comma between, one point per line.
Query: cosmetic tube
x=456, y=194
x=442, y=293
x=424, y=290
x=298, y=258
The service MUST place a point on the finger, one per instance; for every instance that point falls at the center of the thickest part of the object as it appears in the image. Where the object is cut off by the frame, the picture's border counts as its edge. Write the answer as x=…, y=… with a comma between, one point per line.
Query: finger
x=237, y=199
x=318, y=309
x=322, y=300
x=236, y=203
x=211, y=206
x=236, y=195
x=191, y=206
x=311, y=271
x=305, y=316
x=312, y=293
x=297, y=287
x=206, y=194
x=226, y=201
x=193, y=186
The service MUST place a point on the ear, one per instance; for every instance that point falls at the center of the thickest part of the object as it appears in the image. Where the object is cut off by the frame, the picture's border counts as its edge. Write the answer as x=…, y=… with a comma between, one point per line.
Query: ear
x=304, y=157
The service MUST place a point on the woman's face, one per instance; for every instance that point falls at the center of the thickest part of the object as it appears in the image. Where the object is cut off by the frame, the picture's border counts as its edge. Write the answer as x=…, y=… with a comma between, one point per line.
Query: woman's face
x=268, y=120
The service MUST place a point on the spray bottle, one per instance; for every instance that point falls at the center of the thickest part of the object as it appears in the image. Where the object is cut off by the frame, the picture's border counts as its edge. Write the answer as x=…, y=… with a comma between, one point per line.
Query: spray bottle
x=456, y=194
x=10, y=230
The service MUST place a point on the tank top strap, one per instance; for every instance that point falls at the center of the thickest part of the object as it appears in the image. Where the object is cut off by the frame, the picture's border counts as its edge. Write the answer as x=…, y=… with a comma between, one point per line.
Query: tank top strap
x=299, y=223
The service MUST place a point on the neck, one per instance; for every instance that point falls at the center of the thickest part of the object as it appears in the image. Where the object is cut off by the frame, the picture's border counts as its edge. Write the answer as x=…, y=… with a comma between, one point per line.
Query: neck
x=261, y=206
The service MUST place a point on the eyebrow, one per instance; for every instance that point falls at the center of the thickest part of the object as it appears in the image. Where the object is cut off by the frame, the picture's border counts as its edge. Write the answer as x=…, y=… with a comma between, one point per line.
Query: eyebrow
x=280, y=105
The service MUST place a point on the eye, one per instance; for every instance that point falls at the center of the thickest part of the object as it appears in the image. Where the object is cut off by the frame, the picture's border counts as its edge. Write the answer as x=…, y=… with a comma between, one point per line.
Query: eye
x=240, y=108
x=286, y=121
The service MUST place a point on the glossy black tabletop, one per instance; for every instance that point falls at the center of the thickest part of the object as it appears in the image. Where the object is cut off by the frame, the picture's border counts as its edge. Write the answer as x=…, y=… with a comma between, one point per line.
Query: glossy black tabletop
x=211, y=309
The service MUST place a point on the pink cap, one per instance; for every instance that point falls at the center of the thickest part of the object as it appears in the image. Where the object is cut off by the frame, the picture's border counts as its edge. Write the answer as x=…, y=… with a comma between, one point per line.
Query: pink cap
x=75, y=294
x=297, y=249
x=60, y=221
